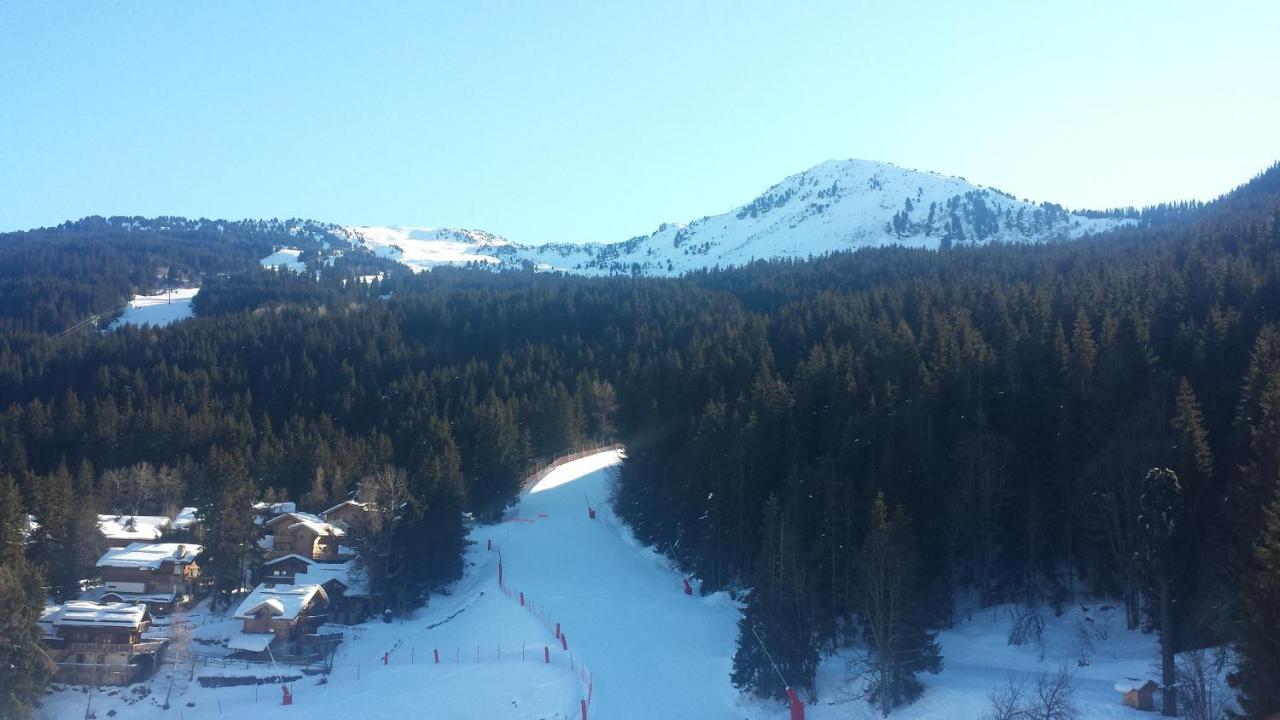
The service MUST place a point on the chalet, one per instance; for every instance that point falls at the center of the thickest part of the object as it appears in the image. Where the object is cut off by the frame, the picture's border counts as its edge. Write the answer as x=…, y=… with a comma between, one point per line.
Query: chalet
x=121, y=530
x=347, y=586
x=100, y=643
x=304, y=534
x=165, y=576
x=346, y=514
x=1138, y=693
x=281, y=618
x=281, y=570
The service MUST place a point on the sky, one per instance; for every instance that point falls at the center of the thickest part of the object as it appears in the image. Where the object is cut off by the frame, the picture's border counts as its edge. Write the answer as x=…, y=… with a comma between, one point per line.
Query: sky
x=598, y=120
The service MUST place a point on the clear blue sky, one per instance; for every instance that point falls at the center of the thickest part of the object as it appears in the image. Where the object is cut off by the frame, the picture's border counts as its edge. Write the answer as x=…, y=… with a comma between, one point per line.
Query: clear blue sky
x=597, y=120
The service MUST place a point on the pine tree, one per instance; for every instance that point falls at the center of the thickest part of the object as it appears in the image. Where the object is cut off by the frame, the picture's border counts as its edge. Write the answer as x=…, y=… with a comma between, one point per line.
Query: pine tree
x=1259, y=624
x=900, y=648
x=224, y=504
x=776, y=636
x=57, y=512
x=24, y=667
x=1159, y=524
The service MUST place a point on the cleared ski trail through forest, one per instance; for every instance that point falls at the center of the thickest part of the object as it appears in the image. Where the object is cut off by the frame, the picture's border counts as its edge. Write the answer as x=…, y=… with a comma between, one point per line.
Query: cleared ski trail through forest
x=653, y=651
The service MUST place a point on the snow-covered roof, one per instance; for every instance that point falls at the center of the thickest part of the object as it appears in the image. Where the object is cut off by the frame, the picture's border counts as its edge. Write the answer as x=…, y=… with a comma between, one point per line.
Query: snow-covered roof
x=354, y=579
x=81, y=613
x=253, y=642
x=312, y=522
x=295, y=556
x=149, y=556
x=47, y=616
x=1130, y=684
x=283, y=601
x=278, y=508
x=185, y=519
x=353, y=503
x=132, y=527
x=156, y=597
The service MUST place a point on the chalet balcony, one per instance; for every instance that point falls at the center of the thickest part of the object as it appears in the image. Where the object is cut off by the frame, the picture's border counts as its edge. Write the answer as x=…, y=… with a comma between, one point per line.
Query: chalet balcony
x=142, y=648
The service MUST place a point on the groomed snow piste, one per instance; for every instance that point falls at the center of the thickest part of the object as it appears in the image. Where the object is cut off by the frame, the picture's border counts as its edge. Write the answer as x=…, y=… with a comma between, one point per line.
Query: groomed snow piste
x=160, y=309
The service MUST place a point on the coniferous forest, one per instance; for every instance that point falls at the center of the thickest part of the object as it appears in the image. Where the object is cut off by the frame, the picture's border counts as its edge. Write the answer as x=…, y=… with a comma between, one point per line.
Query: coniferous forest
x=850, y=443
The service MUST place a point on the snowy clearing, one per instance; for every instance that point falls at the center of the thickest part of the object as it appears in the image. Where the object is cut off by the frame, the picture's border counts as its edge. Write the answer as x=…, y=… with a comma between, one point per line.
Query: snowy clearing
x=286, y=258
x=160, y=309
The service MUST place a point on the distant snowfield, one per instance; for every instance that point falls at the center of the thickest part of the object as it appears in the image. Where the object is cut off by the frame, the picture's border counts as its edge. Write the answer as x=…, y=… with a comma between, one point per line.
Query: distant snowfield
x=424, y=248
x=286, y=258
x=158, y=310
x=651, y=650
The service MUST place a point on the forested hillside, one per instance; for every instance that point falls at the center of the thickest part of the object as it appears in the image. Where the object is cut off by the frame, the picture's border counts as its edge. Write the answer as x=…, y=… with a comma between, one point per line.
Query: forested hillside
x=977, y=420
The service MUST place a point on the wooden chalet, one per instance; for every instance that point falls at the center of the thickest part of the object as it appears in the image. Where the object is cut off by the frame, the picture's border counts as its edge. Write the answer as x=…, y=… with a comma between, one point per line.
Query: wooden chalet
x=100, y=643
x=303, y=534
x=280, y=620
x=164, y=576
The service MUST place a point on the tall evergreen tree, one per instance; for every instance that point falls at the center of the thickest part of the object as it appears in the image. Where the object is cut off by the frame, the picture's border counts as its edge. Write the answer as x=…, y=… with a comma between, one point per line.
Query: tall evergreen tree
x=1259, y=637
x=1159, y=525
x=900, y=646
x=24, y=667
x=224, y=504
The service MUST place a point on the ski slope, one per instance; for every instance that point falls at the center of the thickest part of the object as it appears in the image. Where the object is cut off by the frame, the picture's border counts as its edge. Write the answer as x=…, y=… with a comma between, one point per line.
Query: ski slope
x=160, y=309
x=653, y=651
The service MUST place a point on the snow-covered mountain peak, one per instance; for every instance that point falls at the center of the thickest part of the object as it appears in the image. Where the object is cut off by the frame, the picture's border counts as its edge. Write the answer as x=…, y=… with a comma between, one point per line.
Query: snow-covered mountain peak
x=835, y=205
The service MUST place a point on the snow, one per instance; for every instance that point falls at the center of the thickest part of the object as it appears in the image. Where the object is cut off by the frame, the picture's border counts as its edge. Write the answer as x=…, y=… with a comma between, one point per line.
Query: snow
x=286, y=258
x=84, y=613
x=149, y=555
x=253, y=642
x=312, y=522
x=344, y=503
x=355, y=579
x=1131, y=684
x=421, y=248
x=651, y=650
x=132, y=527
x=159, y=310
x=285, y=602
x=835, y=206
x=186, y=518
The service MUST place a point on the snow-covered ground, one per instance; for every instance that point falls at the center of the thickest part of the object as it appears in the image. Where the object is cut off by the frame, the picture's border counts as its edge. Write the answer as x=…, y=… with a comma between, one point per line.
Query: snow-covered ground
x=649, y=650
x=159, y=309
x=424, y=248
x=286, y=258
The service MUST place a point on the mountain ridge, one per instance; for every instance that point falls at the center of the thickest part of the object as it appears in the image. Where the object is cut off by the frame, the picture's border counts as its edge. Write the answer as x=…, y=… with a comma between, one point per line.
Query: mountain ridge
x=834, y=206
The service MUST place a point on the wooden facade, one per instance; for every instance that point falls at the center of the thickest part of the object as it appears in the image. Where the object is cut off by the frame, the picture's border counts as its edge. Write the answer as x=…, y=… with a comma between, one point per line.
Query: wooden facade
x=101, y=643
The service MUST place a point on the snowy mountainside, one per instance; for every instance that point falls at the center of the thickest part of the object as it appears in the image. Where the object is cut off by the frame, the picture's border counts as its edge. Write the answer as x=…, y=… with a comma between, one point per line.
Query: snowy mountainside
x=422, y=248
x=837, y=205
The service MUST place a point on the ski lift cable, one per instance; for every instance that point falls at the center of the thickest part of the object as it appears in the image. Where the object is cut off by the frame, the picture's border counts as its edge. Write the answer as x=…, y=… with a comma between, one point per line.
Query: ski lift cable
x=771, y=662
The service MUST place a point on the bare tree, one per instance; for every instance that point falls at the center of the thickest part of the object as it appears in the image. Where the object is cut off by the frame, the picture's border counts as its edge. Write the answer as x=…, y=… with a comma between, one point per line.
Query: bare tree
x=1055, y=695
x=1009, y=703
x=1052, y=697
x=1200, y=679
